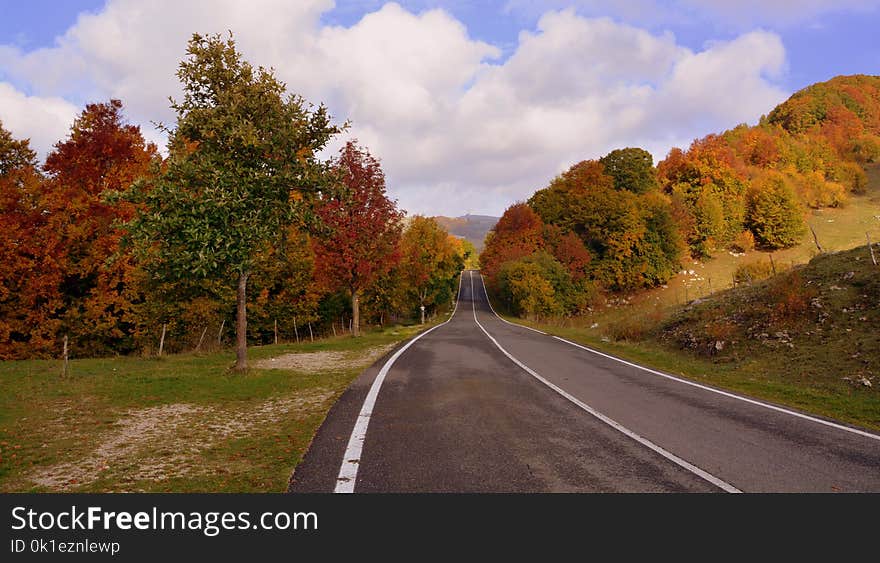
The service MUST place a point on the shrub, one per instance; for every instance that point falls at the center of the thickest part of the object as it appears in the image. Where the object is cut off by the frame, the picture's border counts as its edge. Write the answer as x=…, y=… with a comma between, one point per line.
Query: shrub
x=753, y=271
x=817, y=192
x=526, y=290
x=790, y=297
x=852, y=176
x=744, y=242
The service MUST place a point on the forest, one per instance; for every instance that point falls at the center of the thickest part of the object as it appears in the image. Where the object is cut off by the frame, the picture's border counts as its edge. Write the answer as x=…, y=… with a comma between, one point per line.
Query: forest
x=241, y=232
x=619, y=224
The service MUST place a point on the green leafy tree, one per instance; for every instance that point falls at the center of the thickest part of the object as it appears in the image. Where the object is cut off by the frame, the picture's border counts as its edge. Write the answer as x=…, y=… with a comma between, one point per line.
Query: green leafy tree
x=632, y=169
x=774, y=213
x=243, y=163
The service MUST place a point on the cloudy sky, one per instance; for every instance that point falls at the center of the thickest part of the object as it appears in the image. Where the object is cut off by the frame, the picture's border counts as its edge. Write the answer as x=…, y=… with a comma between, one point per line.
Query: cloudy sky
x=470, y=105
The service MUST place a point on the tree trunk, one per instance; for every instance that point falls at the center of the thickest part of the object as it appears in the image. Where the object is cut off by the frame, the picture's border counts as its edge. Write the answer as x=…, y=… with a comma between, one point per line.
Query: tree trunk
x=355, y=313
x=241, y=324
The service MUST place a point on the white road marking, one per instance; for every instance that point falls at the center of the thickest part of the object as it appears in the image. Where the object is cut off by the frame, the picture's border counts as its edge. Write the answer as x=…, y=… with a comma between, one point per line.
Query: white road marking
x=347, y=477
x=694, y=384
x=612, y=423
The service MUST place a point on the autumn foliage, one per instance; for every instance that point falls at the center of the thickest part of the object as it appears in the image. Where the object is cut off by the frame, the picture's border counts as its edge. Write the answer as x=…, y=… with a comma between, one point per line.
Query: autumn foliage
x=746, y=188
x=363, y=227
x=115, y=248
x=77, y=283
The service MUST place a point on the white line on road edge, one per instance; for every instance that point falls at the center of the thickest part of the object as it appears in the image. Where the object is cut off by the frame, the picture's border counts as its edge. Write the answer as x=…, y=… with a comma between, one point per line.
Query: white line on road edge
x=612, y=423
x=351, y=459
x=694, y=384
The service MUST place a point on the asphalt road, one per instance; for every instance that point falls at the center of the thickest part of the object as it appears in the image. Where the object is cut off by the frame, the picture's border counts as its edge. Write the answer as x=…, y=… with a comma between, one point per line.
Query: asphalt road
x=481, y=405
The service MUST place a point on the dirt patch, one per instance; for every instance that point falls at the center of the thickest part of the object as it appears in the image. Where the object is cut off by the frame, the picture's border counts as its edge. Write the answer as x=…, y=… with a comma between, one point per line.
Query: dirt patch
x=312, y=362
x=167, y=441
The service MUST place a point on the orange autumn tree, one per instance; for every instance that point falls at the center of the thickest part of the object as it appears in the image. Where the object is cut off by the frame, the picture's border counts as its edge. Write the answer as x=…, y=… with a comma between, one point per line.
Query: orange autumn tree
x=29, y=274
x=363, y=228
x=102, y=156
x=430, y=264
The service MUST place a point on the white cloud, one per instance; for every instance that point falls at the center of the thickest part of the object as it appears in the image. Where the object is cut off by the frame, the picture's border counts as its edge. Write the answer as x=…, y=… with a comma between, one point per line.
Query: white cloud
x=44, y=121
x=456, y=128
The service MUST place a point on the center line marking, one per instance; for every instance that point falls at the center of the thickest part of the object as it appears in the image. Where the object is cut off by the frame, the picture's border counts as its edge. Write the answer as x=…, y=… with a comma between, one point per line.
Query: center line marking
x=612, y=423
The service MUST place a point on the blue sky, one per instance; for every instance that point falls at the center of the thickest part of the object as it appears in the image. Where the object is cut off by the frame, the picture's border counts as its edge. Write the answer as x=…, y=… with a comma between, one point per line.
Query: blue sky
x=470, y=105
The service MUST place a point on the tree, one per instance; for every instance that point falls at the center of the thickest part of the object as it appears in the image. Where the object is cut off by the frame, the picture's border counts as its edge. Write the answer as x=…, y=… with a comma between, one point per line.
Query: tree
x=774, y=213
x=102, y=156
x=429, y=262
x=631, y=169
x=518, y=233
x=523, y=285
x=708, y=183
x=243, y=166
x=29, y=277
x=363, y=225
x=569, y=250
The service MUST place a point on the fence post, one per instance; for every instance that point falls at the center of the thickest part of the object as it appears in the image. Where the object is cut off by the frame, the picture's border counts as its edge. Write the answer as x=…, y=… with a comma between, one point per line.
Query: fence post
x=276, y=331
x=295, y=330
x=64, y=369
x=311, y=336
x=162, y=340
x=871, y=248
x=220, y=332
x=204, y=332
x=816, y=239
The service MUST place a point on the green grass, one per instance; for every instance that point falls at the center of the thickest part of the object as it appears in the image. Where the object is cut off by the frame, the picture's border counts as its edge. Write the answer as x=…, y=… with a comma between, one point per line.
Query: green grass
x=181, y=423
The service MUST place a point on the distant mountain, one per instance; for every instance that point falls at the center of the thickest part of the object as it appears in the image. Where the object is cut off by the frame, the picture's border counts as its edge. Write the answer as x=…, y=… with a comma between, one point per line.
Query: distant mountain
x=471, y=227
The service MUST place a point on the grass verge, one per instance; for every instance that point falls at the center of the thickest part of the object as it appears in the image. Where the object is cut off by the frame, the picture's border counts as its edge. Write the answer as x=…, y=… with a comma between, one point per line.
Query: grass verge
x=182, y=423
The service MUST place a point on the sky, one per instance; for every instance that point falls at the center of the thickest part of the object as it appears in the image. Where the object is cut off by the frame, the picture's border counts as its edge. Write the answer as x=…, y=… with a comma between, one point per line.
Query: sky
x=470, y=106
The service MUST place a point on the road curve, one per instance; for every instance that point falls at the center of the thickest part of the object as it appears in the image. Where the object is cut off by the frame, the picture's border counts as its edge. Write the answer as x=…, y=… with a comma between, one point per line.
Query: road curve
x=482, y=405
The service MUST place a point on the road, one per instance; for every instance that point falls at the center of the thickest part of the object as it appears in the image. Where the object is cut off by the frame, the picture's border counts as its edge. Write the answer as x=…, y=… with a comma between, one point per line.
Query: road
x=478, y=404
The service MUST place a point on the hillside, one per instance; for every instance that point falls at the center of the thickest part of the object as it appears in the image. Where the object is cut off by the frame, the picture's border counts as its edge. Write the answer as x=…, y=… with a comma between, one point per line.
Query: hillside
x=632, y=227
x=843, y=99
x=471, y=227
x=824, y=316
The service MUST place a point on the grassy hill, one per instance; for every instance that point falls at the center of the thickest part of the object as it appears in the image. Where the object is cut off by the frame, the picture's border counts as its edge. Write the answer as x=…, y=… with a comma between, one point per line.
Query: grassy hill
x=470, y=227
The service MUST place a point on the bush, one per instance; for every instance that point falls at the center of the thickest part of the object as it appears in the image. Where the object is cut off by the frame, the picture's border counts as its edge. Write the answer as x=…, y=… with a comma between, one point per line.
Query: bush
x=754, y=271
x=817, y=192
x=526, y=290
x=790, y=297
x=852, y=176
x=539, y=285
x=744, y=242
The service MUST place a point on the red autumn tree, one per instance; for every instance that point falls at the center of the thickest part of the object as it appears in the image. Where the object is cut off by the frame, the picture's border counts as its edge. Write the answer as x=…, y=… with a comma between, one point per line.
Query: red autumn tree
x=518, y=233
x=363, y=225
x=569, y=250
x=29, y=275
x=103, y=155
